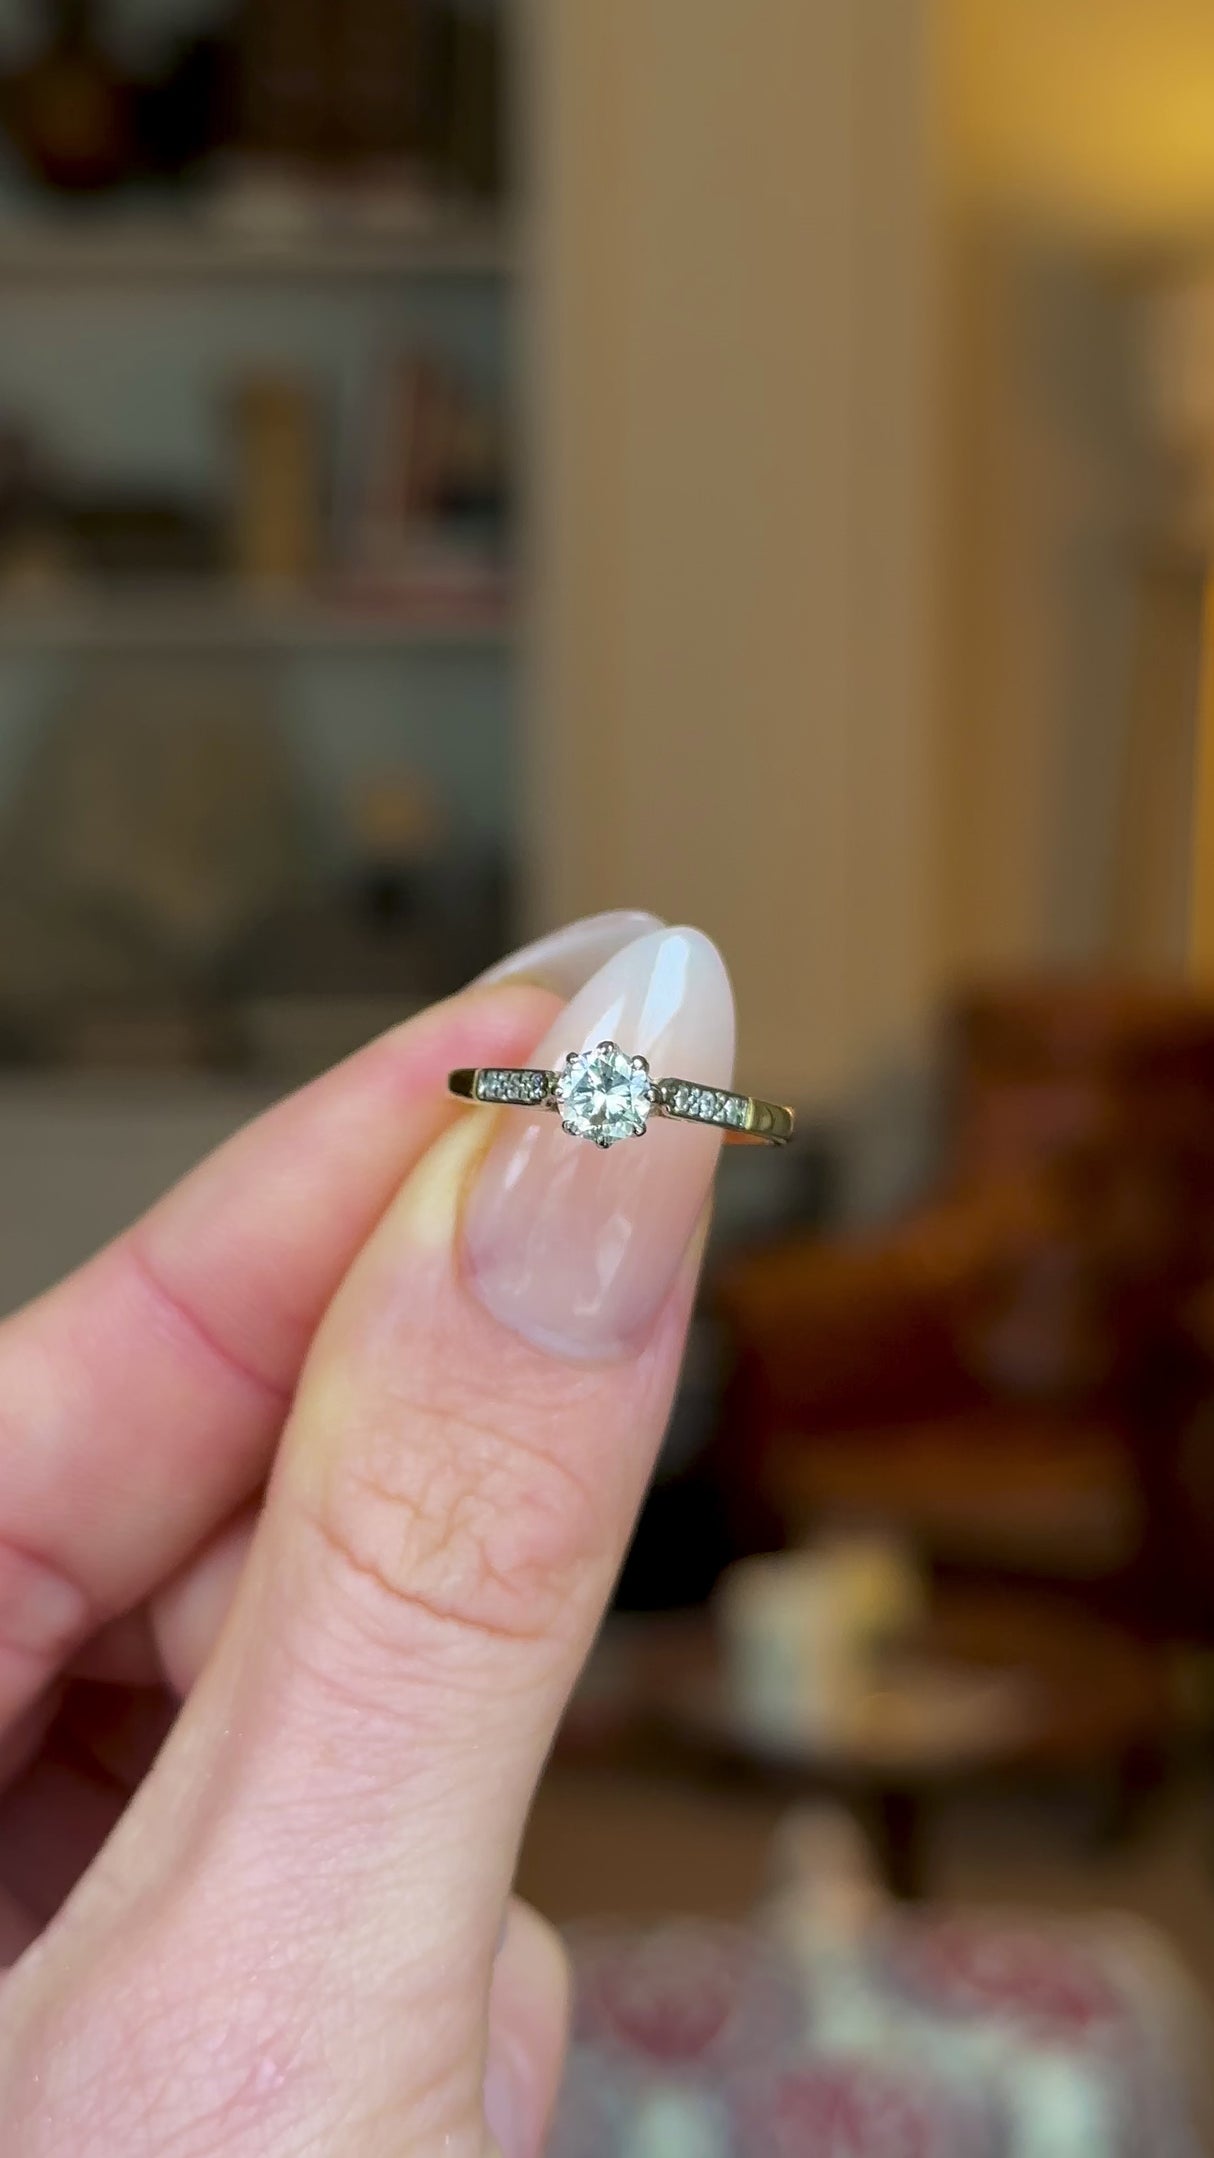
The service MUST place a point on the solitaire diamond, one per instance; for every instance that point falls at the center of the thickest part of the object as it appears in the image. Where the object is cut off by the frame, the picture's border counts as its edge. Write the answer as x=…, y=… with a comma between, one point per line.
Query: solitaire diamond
x=604, y=1095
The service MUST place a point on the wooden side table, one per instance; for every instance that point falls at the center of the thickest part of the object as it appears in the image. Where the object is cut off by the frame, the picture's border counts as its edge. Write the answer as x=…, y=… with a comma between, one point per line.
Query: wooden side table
x=1098, y=1710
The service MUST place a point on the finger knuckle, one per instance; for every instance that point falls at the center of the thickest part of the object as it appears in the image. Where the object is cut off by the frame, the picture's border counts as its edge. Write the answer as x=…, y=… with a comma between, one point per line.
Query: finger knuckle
x=440, y=1513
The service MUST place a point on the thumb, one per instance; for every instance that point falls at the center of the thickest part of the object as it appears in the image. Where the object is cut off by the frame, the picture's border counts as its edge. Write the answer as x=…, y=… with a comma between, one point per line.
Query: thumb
x=310, y=1888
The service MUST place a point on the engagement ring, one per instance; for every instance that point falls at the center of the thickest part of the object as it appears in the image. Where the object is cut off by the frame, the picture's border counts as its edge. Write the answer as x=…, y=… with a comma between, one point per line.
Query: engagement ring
x=605, y=1095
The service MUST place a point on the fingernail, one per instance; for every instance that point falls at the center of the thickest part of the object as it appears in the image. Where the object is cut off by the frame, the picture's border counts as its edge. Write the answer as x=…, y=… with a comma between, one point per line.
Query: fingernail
x=576, y=1247
x=507, y=2115
x=564, y=960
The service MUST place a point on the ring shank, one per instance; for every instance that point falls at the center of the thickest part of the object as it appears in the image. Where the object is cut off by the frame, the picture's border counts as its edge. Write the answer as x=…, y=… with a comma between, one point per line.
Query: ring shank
x=768, y=1123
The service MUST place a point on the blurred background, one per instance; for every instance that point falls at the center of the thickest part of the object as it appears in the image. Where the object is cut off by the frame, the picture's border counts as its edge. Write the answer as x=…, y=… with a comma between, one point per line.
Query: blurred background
x=467, y=463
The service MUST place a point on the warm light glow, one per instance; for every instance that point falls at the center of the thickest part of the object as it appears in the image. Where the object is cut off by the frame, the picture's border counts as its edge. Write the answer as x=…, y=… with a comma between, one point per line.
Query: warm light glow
x=1098, y=114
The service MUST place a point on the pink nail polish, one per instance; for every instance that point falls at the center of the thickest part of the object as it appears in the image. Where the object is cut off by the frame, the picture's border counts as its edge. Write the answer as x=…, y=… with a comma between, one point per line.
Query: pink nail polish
x=513, y=2134
x=575, y=1247
x=565, y=959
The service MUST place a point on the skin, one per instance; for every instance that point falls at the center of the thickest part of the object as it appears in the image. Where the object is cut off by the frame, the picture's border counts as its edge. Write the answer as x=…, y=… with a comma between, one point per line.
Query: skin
x=302, y=1543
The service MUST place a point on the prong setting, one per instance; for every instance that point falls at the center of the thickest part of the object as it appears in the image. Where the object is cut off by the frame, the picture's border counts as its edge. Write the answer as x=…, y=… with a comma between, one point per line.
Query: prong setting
x=604, y=1095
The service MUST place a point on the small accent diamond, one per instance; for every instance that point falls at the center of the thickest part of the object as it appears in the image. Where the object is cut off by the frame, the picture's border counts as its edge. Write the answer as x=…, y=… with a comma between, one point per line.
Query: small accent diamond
x=519, y=1088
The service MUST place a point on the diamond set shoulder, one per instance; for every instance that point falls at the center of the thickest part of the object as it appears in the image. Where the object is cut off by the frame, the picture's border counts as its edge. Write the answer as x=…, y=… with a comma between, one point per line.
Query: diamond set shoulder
x=521, y=1089
x=605, y=1095
x=703, y=1104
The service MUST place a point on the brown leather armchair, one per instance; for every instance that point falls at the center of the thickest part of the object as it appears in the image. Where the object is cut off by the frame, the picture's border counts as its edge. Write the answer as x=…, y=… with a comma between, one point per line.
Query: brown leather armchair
x=1007, y=1373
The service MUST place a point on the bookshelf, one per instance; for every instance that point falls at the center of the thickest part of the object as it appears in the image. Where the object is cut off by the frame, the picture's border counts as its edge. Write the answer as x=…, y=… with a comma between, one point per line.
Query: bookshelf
x=157, y=316
x=187, y=298
x=257, y=486
x=181, y=251
x=185, y=621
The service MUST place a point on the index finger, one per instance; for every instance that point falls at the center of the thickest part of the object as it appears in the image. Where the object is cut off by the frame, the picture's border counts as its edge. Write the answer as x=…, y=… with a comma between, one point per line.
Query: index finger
x=140, y=1401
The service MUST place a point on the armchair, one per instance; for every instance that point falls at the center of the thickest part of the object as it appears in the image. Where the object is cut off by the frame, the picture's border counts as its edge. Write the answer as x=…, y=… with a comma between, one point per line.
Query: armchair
x=1006, y=1374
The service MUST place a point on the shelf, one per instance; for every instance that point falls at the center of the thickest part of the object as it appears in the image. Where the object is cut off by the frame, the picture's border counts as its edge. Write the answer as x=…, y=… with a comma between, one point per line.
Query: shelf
x=157, y=621
x=179, y=251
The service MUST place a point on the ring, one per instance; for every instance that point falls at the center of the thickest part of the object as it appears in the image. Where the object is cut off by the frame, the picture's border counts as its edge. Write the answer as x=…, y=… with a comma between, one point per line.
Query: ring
x=604, y=1095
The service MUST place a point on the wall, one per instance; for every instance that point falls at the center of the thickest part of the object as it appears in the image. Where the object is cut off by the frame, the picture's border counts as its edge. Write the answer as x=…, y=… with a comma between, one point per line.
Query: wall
x=1078, y=148
x=732, y=718
x=1044, y=828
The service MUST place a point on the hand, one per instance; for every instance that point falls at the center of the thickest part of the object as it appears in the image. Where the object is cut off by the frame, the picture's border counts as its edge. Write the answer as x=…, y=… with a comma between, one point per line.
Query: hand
x=339, y=1448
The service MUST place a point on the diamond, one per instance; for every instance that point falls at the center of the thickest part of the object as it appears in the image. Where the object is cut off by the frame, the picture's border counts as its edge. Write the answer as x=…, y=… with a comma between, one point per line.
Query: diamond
x=735, y=1109
x=604, y=1095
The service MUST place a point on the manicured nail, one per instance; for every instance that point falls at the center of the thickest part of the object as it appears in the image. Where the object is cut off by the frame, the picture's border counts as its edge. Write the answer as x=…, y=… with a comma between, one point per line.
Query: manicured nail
x=577, y=1247
x=566, y=958
x=507, y=2116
